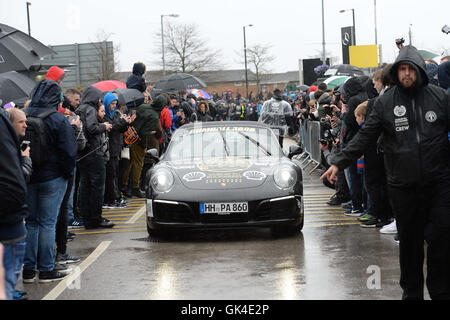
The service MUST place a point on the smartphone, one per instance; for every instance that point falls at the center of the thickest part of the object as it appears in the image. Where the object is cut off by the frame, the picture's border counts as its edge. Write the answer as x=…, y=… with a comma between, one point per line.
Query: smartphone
x=24, y=145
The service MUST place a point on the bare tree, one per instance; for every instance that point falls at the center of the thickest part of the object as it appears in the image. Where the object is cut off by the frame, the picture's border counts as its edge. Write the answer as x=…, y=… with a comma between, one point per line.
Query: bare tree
x=259, y=58
x=104, y=63
x=185, y=51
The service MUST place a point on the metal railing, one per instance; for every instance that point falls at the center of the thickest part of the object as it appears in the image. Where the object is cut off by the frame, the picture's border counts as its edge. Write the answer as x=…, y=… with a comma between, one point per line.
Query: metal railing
x=310, y=136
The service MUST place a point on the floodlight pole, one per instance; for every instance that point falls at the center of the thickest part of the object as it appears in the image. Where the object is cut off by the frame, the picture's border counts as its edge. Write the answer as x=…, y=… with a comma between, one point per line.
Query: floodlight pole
x=28, y=18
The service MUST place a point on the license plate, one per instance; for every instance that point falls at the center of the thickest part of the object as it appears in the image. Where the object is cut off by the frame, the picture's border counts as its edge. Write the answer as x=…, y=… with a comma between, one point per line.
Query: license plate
x=224, y=208
x=276, y=131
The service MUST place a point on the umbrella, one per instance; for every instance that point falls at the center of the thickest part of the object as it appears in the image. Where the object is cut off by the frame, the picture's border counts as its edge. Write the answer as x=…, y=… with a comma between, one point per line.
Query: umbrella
x=130, y=97
x=15, y=87
x=19, y=51
x=335, y=81
x=303, y=88
x=109, y=85
x=179, y=81
x=200, y=93
x=344, y=70
x=427, y=55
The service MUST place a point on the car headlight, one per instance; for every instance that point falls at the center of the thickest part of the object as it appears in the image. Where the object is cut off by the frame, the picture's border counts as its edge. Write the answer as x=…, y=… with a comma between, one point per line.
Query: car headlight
x=285, y=177
x=162, y=180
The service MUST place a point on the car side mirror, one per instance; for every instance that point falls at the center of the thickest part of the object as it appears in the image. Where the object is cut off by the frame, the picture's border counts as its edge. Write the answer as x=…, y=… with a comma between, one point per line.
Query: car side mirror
x=294, y=150
x=153, y=154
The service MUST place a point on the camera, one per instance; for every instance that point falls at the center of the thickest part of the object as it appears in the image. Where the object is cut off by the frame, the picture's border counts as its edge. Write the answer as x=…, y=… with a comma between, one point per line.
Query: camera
x=399, y=41
x=24, y=145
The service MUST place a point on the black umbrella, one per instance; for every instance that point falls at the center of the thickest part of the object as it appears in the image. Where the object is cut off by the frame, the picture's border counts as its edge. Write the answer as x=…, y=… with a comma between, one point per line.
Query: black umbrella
x=179, y=81
x=344, y=70
x=303, y=88
x=15, y=87
x=19, y=51
x=130, y=97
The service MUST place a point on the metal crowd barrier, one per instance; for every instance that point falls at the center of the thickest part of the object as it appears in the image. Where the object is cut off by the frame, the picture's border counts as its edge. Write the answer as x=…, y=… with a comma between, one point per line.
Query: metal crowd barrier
x=310, y=136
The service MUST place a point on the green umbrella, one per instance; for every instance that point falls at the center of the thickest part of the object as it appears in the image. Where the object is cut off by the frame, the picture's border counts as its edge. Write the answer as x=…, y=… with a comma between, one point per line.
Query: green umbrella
x=335, y=81
x=427, y=55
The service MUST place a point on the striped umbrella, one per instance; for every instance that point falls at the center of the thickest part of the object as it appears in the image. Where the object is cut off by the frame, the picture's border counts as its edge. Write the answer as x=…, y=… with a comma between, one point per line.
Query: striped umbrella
x=200, y=93
x=335, y=81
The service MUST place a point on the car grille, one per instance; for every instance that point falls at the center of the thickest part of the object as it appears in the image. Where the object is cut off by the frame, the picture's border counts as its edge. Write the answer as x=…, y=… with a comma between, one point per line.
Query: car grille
x=258, y=211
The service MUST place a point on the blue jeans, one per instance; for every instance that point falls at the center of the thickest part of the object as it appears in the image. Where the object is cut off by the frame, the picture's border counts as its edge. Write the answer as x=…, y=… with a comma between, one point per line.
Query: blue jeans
x=70, y=214
x=44, y=201
x=12, y=261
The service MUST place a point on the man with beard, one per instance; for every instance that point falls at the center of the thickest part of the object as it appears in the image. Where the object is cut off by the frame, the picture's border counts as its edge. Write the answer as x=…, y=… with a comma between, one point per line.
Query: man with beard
x=414, y=118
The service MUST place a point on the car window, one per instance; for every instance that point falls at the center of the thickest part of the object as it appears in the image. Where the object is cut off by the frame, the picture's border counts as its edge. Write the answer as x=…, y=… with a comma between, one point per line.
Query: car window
x=331, y=72
x=250, y=142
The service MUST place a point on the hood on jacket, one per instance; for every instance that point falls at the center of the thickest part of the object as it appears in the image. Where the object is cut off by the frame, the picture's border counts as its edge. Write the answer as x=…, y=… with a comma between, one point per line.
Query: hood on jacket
x=432, y=73
x=207, y=107
x=410, y=55
x=325, y=98
x=139, y=69
x=352, y=87
x=91, y=96
x=46, y=94
x=107, y=99
x=159, y=103
x=55, y=73
x=444, y=75
x=371, y=91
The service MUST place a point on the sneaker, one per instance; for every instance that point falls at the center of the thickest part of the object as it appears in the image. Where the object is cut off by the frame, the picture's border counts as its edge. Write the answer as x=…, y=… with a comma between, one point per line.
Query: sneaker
x=19, y=295
x=28, y=276
x=370, y=223
x=50, y=276
x=76, y=224
x=390, y=228
x=118, y=204
x=382, y=223
x=108, y=206
x=354, y=213
x=66, y=258
x=347, y=205
x=62, y=269
x=396, y=239
x=364, y=217
x=138, y=193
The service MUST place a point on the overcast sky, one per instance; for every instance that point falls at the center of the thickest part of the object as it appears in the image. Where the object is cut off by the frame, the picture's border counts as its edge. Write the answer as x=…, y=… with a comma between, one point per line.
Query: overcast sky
x=292, y=27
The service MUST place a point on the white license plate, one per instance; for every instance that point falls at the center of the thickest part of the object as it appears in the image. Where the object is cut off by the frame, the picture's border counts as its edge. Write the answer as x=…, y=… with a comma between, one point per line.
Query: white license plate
x=276, y=131
x=224, y=208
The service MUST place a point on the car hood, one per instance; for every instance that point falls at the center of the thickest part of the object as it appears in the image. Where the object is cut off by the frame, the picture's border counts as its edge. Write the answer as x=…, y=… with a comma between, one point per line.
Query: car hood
x=224, y=173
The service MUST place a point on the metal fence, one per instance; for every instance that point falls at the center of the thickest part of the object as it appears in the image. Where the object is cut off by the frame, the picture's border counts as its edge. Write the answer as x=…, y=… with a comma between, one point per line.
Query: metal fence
x=310, y=136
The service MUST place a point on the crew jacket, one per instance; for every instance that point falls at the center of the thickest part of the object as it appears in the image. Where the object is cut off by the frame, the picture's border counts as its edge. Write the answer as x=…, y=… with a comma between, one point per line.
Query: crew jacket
x=415, y=125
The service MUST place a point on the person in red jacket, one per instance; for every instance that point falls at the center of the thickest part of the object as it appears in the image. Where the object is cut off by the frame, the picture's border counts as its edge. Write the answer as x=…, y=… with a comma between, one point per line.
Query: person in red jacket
x=166, y=123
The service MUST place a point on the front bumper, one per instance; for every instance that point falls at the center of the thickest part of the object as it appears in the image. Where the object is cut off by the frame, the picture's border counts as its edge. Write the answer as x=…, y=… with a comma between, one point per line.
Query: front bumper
x=283, y=211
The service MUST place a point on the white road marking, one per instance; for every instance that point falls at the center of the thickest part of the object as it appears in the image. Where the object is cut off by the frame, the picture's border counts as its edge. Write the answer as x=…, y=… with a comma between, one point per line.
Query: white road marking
x=66, y=282
x=138, y=214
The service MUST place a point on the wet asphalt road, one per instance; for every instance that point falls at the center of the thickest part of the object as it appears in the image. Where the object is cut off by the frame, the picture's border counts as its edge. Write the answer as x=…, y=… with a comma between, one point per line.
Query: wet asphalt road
x=332, y=259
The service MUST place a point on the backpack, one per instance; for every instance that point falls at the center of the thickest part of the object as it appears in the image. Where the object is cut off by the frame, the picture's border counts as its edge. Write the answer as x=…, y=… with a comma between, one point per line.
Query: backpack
x=36, y=134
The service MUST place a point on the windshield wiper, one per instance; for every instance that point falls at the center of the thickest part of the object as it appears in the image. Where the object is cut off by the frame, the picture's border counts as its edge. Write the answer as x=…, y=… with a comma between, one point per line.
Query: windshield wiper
x=225, y=146
x=256, y=142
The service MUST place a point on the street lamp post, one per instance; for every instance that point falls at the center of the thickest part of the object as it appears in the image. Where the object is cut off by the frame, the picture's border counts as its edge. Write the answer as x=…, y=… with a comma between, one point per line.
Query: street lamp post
x=28, y=18
x=245, y=57
x=354, y=27
x=324, y=58
x=162, y=38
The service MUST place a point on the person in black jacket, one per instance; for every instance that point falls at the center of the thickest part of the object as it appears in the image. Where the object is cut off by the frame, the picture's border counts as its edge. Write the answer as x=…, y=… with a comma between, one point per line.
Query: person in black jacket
x=13, y=191
x=355, y=95
x=136, y=79
x=201, y=113
x=414, y=118
x=48, y=183
x=92, y=162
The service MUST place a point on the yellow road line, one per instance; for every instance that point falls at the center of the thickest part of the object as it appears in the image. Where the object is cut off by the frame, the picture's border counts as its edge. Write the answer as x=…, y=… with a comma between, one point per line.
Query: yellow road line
x=65, y=283
x=112, y=231
x=137, y=216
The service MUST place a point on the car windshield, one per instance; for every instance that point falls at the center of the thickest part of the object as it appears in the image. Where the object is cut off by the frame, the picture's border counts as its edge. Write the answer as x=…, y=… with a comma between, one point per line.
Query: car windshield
x=223, y=142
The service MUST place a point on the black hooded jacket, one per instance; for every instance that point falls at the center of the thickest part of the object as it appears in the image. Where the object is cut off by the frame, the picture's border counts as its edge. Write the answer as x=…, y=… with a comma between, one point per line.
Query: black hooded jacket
x=356, y=94
x=136, y=80
x=93, y=130
x=415, y=125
